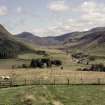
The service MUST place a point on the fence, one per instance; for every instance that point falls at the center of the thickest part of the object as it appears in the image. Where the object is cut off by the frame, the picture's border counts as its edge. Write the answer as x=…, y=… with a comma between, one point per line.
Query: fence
x=54, y=77
x=11, y=83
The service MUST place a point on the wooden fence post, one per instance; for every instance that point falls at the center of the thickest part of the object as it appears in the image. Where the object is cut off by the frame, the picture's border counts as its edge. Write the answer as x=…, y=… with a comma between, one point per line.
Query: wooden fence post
x=81, y=81
x=54, y=82
x=0, y=83
x=99, y=81
x=68, y=82
x=25, y=82
x=39, y=81
x=11, y=83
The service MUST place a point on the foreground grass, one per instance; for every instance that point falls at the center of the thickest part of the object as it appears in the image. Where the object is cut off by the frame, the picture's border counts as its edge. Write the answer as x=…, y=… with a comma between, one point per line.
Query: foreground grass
x=54, y=95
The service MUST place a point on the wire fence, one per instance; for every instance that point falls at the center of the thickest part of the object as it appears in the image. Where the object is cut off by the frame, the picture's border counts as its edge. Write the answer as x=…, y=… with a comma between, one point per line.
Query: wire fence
x=53, y=77
x=67, y=81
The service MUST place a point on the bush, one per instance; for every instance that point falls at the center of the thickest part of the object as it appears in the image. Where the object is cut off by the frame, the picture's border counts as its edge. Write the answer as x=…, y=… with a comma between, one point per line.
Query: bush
x=36, y=63
x=92, y=58
x=24, y=66
x=95, y=67
x=79, y=55
x=56, y=62
x=44, y=61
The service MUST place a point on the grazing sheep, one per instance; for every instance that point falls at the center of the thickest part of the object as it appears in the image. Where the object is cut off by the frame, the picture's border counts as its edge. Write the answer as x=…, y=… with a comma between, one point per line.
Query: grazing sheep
x=4, y=77
x=7, y=78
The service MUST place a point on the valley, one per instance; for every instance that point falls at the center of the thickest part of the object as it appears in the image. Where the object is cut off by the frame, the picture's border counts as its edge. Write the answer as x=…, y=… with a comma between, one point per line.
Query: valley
x=52, y=52
x=65, y=82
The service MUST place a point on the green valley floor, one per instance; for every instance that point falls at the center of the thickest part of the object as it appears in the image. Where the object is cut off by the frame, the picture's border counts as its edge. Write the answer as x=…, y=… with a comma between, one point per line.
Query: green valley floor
x=54, y=95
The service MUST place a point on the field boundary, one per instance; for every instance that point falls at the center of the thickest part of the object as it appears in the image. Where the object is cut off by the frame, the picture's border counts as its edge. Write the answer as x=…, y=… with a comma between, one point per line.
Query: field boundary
x=16, y=83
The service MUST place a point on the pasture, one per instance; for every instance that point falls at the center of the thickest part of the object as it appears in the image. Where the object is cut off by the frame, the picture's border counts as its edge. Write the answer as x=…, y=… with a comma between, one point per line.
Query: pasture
x=70, y=72
x=54, y=95
x=68, y=64
x=46, y=76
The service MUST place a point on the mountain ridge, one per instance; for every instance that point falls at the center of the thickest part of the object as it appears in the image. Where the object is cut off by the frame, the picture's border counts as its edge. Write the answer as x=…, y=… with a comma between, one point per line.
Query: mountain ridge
x=9, y=45
x=85, y=39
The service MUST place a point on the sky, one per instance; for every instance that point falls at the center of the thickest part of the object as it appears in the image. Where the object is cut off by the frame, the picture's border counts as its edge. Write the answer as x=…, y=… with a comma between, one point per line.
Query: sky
x=51, y=17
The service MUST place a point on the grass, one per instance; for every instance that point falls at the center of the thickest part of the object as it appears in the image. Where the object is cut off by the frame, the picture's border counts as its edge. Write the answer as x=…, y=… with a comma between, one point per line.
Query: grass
x=69, y=68
x=48, y=76
x=8, y=63
x=68, y=64
x=54, y=95
x=53, y=54
x=30, y=56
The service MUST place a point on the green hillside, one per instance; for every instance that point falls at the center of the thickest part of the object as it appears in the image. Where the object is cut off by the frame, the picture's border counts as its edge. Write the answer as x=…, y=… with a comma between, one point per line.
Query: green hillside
x=10, y=46
x=54, y=95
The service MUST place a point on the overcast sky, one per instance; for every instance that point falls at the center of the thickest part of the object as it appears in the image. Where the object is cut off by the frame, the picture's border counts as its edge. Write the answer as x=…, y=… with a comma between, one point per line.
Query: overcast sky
x=51, y=17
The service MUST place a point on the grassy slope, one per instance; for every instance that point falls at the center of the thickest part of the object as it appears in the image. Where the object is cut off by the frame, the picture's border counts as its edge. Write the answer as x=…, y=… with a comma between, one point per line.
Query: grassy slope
x=53, y=54
x=55, y=95
x=10, y=45
x=91, y=42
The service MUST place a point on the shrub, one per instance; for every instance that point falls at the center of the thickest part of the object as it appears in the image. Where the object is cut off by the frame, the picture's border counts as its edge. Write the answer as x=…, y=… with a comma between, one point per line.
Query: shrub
x=36, y=63
x=56, y=62
x=41, y=62
x=79, y=55
x=24, y=66
x=95, y=67
x=92, y=58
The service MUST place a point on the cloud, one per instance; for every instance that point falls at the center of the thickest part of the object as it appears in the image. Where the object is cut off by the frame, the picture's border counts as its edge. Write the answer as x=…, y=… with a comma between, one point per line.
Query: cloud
x=68, y=26
x=90, y=14
x=93, y=12
x=58, y=6
x=19, y=9
x=3, y=10
x=80, y=17
x=60, y=28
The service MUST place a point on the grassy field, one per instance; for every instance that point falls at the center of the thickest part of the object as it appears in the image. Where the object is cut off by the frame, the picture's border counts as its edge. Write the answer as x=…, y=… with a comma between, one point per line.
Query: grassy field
x=54, y=95
x=70, y=68
x=49, y=76
x=8, y=63
x=68, y=64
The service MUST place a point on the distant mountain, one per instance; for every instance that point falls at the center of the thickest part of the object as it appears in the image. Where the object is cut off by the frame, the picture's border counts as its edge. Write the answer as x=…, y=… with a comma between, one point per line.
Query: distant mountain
x=10, y=46
x=28, y=37
x=92, y=39
x=60, y=39
x=80, y=40
x=52, y=40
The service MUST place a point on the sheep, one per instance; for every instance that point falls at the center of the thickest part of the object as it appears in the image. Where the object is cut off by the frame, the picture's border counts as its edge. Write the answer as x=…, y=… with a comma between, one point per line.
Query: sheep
x=7, y=78
x=4, y=77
